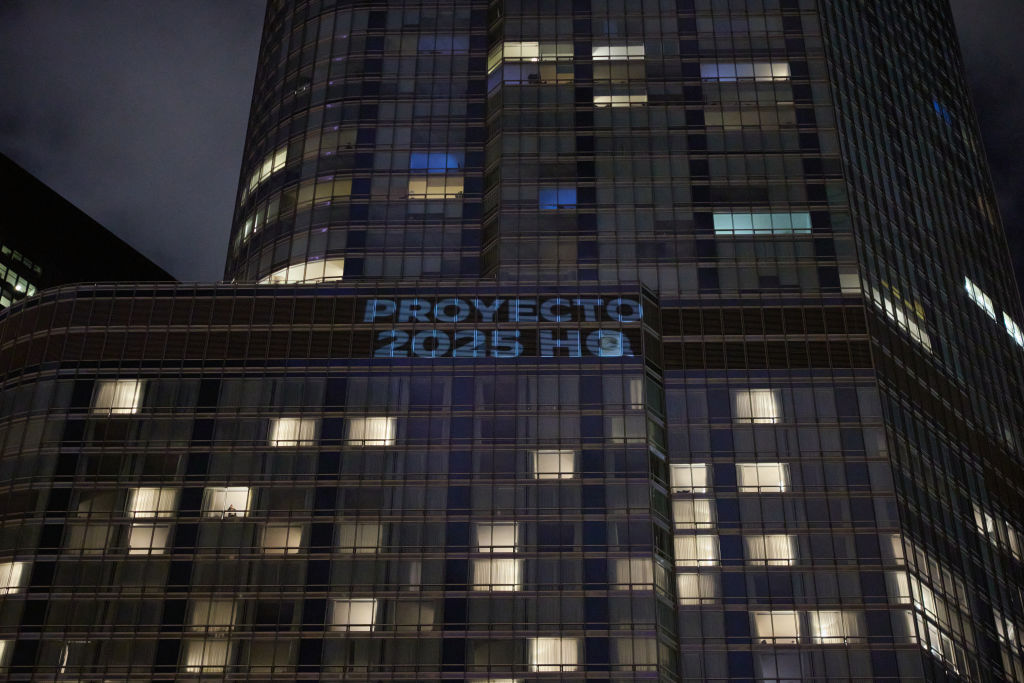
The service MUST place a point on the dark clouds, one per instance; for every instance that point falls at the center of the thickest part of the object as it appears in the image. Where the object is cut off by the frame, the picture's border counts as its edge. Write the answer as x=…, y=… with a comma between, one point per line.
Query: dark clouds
x=135, y=110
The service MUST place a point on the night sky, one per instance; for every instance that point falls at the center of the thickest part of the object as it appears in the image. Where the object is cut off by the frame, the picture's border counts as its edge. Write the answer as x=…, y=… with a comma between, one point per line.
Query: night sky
x=135, y=110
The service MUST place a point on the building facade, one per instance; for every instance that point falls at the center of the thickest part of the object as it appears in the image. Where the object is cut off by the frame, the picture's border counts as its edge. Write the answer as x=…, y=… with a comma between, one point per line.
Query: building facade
x=45, y=241
x=578, y=340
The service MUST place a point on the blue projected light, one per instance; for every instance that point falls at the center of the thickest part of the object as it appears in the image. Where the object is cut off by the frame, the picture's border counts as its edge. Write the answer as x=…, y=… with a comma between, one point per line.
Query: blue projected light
x=435, y=162
x=554, y=198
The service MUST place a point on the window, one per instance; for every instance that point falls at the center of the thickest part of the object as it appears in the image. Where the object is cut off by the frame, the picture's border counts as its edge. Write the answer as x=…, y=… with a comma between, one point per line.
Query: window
x=354, y=615
x=759, y=406
x=228, y=501
x=1013, y=329
x=690, y=478
x=696, y=589
x=152, y=502
x=554, y=463
x=528, y=51
x=308, y=273
x=497, y=537
x=272, y=163
x=908, y=315
x=697, y=551
x=762, y=223
x=148, y=539
x=371, y=431
x=293, y=431
x=620, y=100
x=782, y=627
x=632, y=573
x=776, y=550
x=730, y=72
x=772, y=477
x=5, y=647
x=211, y=616
x=554, y=654
x=282, y=538
x=436, y=187
x=207, y=656
x=693, y=514
x=435, y=162
x=834, y=626
x=980, y=297
x=555, y=198
x=605, y=53
x=496, y=574
x=360, y=537
x=12, y=577
x=117, y=397
x=414, y=615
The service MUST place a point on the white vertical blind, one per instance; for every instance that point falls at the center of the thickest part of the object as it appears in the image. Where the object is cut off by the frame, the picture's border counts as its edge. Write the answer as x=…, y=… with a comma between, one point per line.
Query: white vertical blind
x=693, y=514
x=371, y=431
x=771, y=549
x=496, y=537
x=554, y=654
x=152, y=502
x=118, y=396
x=696, y=589
x=206, y=656
x=293, y=431
x=360, y=537
x=834, y=626
x=700, y=550
x=633, y=571
x=760, y=406
x=762, y=477
x=212, y=616
x=282, y=538
x=496, y=574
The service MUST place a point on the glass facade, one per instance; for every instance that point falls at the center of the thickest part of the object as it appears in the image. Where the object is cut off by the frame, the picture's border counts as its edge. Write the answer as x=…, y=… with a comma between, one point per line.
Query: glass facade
x=579, y=340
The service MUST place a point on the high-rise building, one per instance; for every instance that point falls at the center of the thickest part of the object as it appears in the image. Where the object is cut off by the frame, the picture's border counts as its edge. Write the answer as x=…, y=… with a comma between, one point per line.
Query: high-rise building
x=575, y=340
x=46, y=241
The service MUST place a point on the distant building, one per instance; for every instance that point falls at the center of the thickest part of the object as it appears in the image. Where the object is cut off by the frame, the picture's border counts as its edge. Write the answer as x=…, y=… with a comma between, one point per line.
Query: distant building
x=47, y=241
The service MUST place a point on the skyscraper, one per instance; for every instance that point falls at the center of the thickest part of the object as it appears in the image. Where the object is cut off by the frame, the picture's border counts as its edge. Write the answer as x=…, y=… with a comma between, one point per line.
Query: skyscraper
x=586, y=340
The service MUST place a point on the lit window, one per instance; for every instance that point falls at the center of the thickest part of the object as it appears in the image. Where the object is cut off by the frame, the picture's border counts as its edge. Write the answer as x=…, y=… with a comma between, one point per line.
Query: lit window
x=760, y=406
x=696, y=589
x=697, y=551
x=272, y=163
x=90, y=539
x=293, y=431
x=371, y=431
x=308, y=273
x=148, y=539
x=730, y=72
x=892, y=549
x=528, y=51
x=762, y=223
x=207, y=656
x=117, y=397
x=212, y=616
x=632, y=572
x=1013, y=329
x=354, y=615
x=605, y=53
x=496, y=574
x=980, y=297
x=898, y=587
x=360, y=537
x=497, y=537
x=772, y=477
x=228, y=501
x=834, y=626
x=777, y=550
x=5, y=647
x=776, y=627
x=12, y=577
x=152, y=502
x=436, y=187
x=554, y=654
x=690, y=478
x=435, y=162
x=908, y=315
x=554, y=463
x=282, y=538
x=693, y=514
x=623, y=100
x=555, y=198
